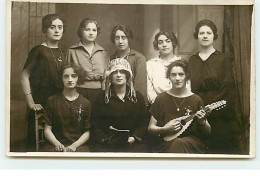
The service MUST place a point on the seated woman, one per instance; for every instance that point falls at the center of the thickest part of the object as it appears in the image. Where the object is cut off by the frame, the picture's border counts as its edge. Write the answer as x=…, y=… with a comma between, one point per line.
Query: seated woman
x=68, y=117
x=119, y=118
x=170, y=107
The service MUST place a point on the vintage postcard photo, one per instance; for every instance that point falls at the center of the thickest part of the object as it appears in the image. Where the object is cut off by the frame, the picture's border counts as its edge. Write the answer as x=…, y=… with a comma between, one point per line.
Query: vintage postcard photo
x=141, y=79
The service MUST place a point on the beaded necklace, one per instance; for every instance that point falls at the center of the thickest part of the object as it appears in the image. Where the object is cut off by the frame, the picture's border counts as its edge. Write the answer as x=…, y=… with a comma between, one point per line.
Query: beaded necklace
x=126, y=57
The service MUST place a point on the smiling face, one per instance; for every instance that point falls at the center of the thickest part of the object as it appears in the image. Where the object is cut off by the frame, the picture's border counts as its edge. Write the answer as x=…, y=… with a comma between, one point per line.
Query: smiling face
x=165, y=45
x=55, y=31
x=89, y=34
x=118, y=77
x=121, y=40
x=69, y=78
x=205, y=36
x=178, y=77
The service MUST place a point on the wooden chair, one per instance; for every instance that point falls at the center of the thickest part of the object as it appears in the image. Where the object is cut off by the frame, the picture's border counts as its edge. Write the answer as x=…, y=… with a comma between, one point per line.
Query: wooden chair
x=39, y=129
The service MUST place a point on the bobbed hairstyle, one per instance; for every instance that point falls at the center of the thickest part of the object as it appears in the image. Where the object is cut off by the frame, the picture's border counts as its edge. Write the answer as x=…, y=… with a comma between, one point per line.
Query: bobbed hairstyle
x=210, y=24
x=76, y=69
x=47, y=21
x=169, y=35
x=126, y=29
x=83, y=25
x=178, y=63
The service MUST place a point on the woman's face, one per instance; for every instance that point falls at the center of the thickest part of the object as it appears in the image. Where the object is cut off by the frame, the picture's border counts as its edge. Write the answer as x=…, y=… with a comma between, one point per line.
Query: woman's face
x=89, y=34
x=121, y=40
x=55, y=31
x=178, y=77
x=205, y=36
x=119, y=77
x=69, y=78
x=165, y=45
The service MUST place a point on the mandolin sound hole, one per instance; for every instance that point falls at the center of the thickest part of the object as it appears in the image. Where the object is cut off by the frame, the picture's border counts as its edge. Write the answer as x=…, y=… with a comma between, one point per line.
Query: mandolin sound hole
x=183, y=122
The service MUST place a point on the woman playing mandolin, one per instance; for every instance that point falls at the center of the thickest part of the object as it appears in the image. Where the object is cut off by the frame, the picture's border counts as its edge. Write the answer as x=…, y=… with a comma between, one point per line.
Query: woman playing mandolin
x=168, y=111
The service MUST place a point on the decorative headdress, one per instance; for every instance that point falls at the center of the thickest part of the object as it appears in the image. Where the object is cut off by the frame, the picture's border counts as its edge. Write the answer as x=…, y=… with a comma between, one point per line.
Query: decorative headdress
x=114, y=65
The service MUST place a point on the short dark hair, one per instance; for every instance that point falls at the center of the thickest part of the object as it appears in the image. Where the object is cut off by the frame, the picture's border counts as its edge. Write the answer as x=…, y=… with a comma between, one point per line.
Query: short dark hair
x=83, y=25
x=210, y=24
x=178, y=63
x=76, y=69
x=169, y=35
x=47, y=21
x=126, y=29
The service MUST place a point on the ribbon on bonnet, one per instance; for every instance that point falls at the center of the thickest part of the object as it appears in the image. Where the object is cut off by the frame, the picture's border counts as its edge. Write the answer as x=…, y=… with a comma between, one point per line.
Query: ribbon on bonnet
x=114, y=65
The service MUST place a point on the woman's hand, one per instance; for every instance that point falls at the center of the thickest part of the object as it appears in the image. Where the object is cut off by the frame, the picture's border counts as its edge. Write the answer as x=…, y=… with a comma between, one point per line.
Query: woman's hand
x=59, y=148
x=35, y=107
x=172, y=126
x=131, y=140
x=71, y=148
x=201, y=117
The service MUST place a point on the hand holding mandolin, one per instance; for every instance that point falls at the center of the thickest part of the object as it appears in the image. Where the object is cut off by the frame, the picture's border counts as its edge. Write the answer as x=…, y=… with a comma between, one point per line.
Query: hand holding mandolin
x=201, y=117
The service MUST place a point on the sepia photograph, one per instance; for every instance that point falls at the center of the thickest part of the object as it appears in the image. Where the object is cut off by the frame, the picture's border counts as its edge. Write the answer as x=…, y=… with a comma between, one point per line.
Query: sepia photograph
x=146, y=79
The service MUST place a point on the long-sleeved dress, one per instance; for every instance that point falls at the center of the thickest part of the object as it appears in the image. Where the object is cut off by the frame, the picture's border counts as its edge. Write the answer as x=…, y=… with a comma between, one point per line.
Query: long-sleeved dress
x=92, y=67
x=212, y=80
x=45, y=65
x=165, y=109
x=123, y=115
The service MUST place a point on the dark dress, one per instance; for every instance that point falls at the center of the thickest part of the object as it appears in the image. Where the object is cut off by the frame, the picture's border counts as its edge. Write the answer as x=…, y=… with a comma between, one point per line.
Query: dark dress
x=122, y=115
x=68, y=119
x=212, y=81
x=163, y=110
x=44, y=79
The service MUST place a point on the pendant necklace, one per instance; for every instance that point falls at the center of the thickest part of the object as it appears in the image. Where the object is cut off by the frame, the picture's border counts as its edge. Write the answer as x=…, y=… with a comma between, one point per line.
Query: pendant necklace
x=54, y=58
x=178, y=106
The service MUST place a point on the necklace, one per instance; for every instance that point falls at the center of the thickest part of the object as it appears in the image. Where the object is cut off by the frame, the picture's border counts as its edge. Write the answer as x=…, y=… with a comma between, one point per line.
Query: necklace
x=54, y=58
x=126, y=57
x=178, y=106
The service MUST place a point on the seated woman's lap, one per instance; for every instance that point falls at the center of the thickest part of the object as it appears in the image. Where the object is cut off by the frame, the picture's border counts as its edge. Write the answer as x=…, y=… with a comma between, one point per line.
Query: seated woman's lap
x=50, y=148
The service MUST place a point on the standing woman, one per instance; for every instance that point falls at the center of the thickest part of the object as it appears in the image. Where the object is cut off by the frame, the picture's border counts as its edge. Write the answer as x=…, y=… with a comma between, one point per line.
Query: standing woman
x=40, y=76
x=167, y=111
x=157, y=81
x=90, y=57
x=211, y=79
x=122, y=37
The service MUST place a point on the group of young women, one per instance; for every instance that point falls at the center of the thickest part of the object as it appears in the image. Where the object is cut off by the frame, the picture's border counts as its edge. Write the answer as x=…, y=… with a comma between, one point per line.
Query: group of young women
x=98, y=103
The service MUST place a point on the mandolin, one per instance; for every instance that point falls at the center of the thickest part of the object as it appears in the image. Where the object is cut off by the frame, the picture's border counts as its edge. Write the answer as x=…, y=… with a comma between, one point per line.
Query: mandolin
x=187, y=119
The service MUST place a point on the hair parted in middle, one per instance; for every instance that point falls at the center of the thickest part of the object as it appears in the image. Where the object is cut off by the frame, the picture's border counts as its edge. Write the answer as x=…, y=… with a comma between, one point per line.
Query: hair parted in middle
x=169, y=35
x=83, y=25
x=210, y=24
x=178, y=63
x=76, y=69
x=47, y=21
x=126, y=29
x=114, y=65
